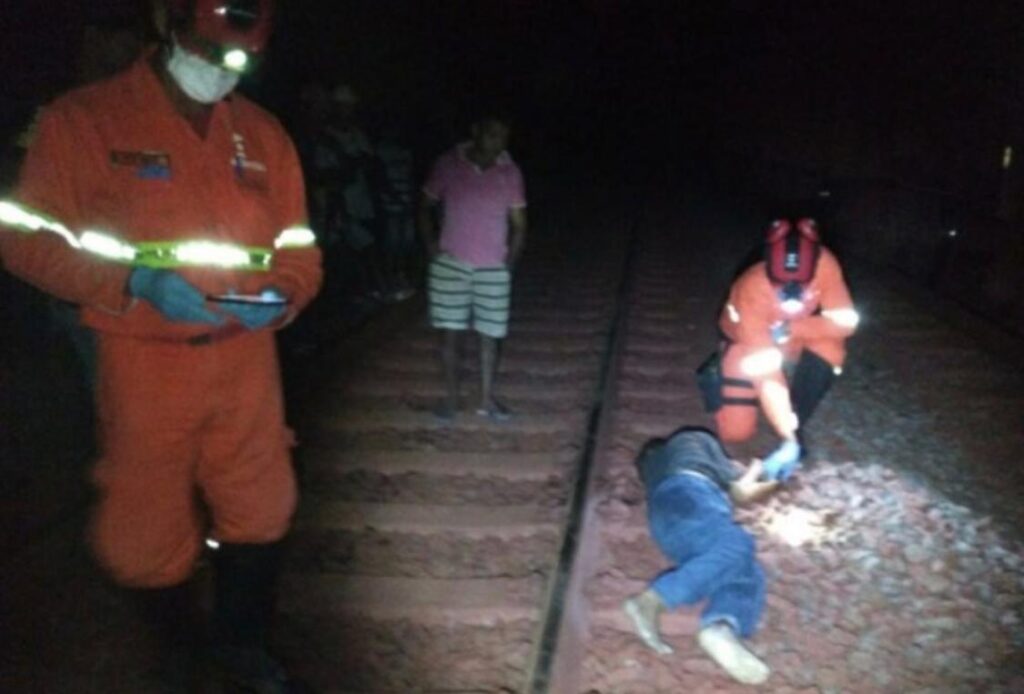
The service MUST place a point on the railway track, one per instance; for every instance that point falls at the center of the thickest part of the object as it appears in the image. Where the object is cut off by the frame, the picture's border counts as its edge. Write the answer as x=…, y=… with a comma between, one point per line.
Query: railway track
x=495, y=558
x=426, y=556
x=482, y=557
x=479, y=557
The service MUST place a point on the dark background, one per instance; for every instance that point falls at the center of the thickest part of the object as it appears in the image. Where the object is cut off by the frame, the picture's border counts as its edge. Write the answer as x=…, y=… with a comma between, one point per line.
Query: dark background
x=888, y=120
x=927, y=92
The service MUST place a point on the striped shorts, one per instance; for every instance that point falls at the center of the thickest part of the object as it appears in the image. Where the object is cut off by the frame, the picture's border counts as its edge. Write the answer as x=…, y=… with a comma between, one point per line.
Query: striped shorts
x=459, y=292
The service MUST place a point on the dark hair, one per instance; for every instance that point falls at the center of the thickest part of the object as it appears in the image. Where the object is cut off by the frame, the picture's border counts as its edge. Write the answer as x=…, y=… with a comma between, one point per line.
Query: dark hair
x=659, y=441
x=492, y=112
x=494, y=117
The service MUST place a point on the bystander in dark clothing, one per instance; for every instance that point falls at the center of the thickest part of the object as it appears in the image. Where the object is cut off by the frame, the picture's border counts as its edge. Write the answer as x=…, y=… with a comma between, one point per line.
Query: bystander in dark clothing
x=346, y=168
x=398, y=204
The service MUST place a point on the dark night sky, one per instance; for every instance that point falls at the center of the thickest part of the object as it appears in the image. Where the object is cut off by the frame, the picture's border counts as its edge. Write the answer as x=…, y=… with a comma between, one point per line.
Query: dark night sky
x=877, y=87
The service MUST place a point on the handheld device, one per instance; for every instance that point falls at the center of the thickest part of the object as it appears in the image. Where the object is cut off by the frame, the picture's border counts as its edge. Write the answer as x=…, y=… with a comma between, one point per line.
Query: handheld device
x=259, y=299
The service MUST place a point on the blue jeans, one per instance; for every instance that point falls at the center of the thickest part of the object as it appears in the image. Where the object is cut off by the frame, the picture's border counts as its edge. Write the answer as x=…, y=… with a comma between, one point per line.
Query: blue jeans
x=691, y=521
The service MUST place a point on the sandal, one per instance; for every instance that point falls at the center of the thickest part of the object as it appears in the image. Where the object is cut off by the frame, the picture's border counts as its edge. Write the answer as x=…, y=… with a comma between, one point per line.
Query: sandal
x=496, y=412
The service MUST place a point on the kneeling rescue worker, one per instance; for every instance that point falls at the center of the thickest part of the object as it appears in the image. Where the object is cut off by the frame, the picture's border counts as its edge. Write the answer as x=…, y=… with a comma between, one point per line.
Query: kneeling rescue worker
x=173, y=212
x=791, y=309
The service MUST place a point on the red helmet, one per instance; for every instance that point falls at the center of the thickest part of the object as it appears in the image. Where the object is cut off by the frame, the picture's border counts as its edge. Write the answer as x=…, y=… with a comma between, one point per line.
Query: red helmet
x=225, y=32
x=791, y=255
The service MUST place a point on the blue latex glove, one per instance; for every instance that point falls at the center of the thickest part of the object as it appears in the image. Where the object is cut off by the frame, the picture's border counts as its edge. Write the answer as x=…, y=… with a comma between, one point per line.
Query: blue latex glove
x=782, y=462
x=780, y=332
x=255, y=316
x=171, y=295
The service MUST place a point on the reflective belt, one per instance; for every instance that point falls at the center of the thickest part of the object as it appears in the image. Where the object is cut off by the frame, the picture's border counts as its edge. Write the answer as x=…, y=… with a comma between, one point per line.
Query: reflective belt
x=172, y=254
x=159, y=254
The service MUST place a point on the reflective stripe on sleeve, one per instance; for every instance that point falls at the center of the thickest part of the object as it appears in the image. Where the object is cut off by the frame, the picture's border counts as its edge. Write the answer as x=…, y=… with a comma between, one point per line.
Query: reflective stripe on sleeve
x=734, y=314
x=843, y=317
x=295, y=237
x=19, y=218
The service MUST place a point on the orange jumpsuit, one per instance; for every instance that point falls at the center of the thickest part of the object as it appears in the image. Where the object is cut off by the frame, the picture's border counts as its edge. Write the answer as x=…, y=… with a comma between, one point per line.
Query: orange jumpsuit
x=190, y=415
x=753, y=307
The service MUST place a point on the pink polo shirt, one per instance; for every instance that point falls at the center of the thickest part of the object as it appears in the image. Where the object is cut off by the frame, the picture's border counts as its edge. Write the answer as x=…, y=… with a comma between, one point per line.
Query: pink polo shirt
x=476, y=205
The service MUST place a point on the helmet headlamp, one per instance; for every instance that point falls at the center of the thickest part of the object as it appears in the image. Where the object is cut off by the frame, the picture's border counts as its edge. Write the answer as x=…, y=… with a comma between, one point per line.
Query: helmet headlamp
x=236, y=60
x=791, y=254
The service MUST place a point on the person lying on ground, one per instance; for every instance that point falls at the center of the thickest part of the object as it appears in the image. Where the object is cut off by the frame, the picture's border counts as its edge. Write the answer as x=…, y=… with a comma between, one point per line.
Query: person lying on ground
x=691, y=488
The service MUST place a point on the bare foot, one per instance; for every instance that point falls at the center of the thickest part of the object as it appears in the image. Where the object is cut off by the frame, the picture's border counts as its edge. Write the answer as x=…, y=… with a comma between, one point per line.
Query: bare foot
x=644, y=609
x=721, y=643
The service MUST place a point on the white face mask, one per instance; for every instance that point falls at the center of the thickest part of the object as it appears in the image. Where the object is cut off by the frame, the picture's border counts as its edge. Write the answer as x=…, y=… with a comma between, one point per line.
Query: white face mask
x=200, y=80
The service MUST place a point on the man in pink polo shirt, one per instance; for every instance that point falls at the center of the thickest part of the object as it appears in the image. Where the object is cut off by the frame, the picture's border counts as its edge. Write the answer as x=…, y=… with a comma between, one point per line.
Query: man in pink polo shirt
x=479, y=191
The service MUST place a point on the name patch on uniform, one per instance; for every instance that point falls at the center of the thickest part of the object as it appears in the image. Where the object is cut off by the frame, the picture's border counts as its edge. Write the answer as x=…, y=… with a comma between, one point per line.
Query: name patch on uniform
x=147, y=165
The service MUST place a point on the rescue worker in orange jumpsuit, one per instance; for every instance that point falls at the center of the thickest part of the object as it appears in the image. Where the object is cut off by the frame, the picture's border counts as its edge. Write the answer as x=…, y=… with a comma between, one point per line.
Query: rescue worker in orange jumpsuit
x=791, y=309
x=173, y=212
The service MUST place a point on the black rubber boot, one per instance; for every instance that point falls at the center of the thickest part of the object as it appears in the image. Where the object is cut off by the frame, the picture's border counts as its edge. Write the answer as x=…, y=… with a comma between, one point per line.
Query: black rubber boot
x=812, y=378
x=245, y=576
x=172, y=616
